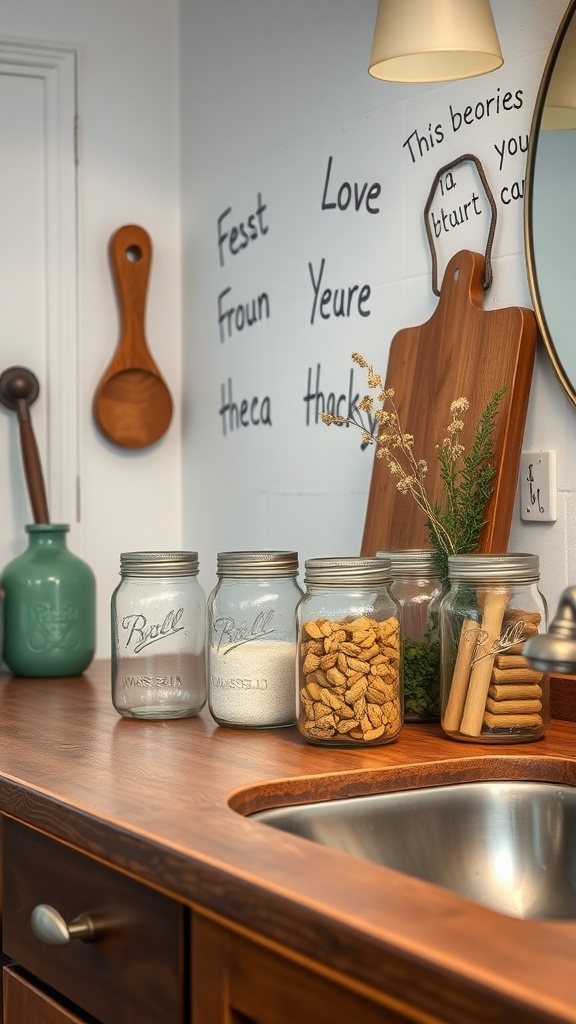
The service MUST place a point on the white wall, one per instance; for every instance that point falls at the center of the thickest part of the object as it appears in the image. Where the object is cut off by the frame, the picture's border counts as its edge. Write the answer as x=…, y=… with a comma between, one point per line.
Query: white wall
x=269, y=91
x=128, y=173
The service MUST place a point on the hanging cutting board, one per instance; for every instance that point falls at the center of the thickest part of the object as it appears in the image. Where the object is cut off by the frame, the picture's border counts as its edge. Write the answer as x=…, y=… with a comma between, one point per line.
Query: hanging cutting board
x=462, y=351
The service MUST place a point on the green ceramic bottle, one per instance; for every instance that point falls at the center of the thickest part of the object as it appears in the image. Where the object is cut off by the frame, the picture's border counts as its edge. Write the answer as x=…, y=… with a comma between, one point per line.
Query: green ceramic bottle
x=49, y=607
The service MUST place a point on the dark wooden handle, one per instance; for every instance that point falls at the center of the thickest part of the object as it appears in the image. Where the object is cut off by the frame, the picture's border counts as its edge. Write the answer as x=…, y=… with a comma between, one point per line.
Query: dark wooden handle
x=32, y=464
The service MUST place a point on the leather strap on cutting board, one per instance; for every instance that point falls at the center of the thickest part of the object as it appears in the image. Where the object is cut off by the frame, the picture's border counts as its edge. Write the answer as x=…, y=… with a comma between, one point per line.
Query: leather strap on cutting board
x=462, y=351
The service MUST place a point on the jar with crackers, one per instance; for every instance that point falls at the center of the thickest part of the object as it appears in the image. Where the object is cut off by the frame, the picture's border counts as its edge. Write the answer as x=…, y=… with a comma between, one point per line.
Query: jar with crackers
x=349, y=672
x=489, y=692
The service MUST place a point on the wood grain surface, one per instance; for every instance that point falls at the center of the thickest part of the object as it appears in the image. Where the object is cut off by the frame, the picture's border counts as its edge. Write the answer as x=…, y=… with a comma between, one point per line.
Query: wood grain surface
x=462, y=351
x=237, y=980
x=162, y=800
x=23, y=1001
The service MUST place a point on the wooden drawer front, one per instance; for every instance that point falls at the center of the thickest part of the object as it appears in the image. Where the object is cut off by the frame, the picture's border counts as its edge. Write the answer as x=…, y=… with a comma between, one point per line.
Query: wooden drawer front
x=133, y=972
x=26, y=1004
x=237, y=981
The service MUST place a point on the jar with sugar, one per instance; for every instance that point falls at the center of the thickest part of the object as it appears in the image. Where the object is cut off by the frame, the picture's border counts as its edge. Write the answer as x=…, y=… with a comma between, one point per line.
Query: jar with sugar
x=158, y=636
x=349, y=654
x=252, y=639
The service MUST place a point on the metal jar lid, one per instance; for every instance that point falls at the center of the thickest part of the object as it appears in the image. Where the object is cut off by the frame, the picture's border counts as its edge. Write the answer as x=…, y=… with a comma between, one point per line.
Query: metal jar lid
x=159, y=563
x=253, y=564
x=357, y=572
x=411, y=562
x=505, y=568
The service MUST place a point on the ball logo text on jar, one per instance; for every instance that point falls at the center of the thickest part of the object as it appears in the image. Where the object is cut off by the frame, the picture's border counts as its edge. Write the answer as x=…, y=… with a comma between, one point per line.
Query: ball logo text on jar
x=226, y=631
x=136, y=625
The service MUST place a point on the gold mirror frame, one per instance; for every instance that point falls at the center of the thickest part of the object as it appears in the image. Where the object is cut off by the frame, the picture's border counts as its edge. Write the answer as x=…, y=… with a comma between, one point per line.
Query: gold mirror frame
x=568, y=385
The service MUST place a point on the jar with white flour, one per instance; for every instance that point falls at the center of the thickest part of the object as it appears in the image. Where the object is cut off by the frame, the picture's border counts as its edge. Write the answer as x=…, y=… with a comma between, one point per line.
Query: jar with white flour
x=252, y=639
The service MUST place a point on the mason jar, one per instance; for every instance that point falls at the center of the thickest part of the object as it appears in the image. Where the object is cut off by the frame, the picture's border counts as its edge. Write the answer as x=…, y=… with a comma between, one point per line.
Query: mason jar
x=158, y=636
x=490, y=694
x=252, y=639
x=417, y=587
x=349, y=657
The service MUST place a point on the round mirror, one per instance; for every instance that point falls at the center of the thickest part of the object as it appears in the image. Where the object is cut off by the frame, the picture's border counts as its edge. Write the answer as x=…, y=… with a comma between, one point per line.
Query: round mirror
x=550, y=210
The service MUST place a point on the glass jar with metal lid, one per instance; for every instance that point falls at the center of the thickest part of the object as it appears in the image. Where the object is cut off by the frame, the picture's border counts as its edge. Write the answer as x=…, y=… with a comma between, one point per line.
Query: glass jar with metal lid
x=417, y=587
x=158, y=636
x=349, y=659
x=252, y=639
x=490, y=694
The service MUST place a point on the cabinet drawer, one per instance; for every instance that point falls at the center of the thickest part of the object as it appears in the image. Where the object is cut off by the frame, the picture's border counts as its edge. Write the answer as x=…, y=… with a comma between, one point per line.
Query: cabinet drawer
x=133, y=970
x=238, y=981
x=24, y=1002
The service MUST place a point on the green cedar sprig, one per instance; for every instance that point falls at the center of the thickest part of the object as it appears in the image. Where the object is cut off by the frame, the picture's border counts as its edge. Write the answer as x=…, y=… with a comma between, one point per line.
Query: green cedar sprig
x=468, y=488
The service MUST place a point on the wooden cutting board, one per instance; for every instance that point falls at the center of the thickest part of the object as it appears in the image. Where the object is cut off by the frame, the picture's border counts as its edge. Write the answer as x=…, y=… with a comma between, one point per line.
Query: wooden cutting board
x=462, y=351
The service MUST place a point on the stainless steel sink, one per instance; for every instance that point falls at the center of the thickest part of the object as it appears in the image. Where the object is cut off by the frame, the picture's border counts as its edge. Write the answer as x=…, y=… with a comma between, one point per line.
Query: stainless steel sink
x=508, y=845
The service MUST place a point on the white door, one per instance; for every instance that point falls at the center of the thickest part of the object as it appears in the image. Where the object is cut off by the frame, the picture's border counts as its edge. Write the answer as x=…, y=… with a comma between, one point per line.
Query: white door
x=38, y=275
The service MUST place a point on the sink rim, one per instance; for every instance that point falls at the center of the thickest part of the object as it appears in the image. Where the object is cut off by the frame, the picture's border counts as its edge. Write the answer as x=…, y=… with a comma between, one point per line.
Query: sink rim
x=311, y=789
x=484, y=844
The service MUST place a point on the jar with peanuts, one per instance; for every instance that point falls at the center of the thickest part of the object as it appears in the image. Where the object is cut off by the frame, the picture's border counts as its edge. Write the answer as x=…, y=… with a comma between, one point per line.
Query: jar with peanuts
x=489, y=692
x=349, y=674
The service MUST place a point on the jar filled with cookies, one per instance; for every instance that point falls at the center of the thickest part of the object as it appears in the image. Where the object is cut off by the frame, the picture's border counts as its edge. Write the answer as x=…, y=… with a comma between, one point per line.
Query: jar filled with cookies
x=489, y=691
x=349, y=673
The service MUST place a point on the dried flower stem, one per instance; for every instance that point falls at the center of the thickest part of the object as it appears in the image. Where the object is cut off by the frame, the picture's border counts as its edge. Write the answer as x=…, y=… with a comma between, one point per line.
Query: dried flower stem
x=456, y=524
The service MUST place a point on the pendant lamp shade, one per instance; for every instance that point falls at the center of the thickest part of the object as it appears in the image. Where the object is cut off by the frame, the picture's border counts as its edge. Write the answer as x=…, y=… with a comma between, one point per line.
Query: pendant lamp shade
x=434, y=40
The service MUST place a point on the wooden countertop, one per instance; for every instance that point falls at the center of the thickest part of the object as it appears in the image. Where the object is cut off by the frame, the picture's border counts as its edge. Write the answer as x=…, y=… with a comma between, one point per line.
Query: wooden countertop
x=161, y=800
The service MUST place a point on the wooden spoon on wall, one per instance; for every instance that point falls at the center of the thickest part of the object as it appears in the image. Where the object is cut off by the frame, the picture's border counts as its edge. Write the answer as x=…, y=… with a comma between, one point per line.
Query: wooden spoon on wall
x=132, y=404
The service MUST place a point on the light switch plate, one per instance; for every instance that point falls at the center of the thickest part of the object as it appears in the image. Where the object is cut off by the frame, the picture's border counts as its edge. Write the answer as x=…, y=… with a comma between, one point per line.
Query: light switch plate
x=538, y=487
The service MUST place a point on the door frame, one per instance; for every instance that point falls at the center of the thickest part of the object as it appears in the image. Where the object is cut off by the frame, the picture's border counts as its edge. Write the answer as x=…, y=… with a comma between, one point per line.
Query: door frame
x=56, y=66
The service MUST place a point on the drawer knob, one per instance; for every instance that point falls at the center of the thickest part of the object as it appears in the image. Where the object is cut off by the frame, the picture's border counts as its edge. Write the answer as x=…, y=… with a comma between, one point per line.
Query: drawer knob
x=50, y=927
